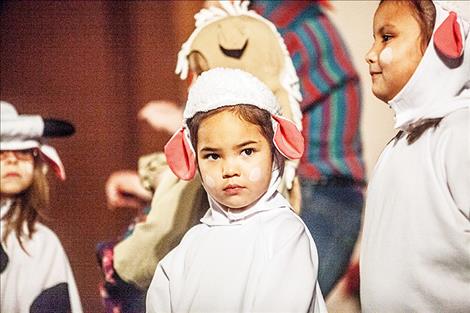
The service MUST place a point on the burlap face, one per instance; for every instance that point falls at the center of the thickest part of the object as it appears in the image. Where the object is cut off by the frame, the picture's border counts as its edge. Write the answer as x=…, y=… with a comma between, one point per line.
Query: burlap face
x=245, y=43
x=234, y=37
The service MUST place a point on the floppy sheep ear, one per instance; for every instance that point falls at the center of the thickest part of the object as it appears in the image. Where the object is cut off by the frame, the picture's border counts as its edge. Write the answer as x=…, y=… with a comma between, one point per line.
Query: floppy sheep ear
x=51, y=157
x=448, y=37
x=288, y=139
x=180, y=155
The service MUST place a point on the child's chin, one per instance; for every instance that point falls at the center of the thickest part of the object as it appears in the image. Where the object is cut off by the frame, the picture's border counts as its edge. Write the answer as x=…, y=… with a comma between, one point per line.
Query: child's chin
x=381, y=95
x=235, y=206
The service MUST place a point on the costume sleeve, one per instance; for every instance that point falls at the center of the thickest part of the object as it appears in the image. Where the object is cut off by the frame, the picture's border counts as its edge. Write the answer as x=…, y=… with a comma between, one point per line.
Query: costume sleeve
x=158, y=295
x=289, y=282
x=457, y=161
x=176, y=206
x=320, y=57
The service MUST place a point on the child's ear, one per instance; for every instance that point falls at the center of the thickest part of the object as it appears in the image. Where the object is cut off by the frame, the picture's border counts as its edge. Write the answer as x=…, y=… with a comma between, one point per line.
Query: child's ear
x=448, y=38
x=288, y=139
x=180, y=155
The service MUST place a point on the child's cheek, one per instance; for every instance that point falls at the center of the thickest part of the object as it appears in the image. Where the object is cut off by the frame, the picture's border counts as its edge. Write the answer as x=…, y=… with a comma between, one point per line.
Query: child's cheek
x=26, y=167
x=209, y=181
x=386, y=56
x=255, y=174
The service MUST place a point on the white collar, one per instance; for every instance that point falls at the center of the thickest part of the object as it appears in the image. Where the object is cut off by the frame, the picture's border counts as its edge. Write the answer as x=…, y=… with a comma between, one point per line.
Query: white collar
x=436, y=88
x=217, y=215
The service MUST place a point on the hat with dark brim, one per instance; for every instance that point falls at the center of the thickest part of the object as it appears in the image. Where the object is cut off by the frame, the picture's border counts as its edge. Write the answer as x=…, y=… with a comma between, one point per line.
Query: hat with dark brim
x=22, y=132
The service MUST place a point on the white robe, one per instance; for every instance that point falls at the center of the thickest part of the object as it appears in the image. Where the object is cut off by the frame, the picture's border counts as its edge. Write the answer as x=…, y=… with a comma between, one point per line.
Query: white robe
x=27, y=275
x=415, y=250
x=260, y=260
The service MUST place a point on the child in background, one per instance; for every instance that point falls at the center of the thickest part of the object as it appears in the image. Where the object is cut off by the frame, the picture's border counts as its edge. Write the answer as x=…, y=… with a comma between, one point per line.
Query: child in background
x=415, y=252
x=251, y=252
x=35, y=272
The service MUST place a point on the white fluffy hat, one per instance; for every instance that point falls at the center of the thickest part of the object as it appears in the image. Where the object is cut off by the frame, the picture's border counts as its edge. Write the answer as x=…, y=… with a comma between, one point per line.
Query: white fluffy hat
x=221, y=87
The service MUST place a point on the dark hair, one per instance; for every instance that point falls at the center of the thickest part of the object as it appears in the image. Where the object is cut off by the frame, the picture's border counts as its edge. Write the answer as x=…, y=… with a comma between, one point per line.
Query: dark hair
x=28, y=206
x=425, y=14
x=251, y=114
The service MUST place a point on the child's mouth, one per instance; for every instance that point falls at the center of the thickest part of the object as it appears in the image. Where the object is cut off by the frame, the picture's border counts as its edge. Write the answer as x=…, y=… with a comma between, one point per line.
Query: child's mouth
x=232, y=189
x=11, y=174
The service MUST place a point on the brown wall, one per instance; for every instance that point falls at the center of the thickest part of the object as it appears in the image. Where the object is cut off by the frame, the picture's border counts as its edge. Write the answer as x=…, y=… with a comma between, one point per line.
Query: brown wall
x=95, y=64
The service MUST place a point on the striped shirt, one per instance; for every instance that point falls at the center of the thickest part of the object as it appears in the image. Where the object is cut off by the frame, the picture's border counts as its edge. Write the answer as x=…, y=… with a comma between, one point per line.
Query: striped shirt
x=330, y=87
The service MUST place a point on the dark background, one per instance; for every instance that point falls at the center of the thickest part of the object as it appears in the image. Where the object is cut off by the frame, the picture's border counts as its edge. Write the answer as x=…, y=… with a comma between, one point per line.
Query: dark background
x=95, y=64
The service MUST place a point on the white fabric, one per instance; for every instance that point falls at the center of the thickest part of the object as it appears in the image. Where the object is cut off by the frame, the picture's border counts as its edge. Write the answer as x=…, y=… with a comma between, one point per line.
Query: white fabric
x=221, y=87
x=15, y=128
x=19, y=145
x=22, y=132
x=26, y=276
x=415, y=249
x=462, y=8
x=260, y=260
x=435, y=89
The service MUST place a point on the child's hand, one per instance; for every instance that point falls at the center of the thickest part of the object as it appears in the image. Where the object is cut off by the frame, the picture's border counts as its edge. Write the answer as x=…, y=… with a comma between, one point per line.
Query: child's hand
x=124, y=190
x=162, y=115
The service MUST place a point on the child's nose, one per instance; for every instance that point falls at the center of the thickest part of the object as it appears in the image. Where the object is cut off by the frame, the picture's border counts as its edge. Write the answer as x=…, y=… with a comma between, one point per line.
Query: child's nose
x=230, y=169
x=371, y=56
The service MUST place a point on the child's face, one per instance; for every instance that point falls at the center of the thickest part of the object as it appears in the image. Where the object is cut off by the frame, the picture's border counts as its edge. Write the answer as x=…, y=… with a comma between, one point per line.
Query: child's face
x=16, y=170
x=234, y=159
x=396, y=51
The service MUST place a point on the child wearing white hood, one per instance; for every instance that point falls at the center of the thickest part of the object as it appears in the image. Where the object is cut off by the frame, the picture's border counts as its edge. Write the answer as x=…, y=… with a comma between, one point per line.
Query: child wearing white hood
x=415, y=253
x=251, y=252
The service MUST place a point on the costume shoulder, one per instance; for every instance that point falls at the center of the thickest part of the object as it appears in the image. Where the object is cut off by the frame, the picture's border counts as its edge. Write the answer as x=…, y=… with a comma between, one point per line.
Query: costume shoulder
x=457, y=122
x=190, y=239
x=43, y=242
x=452, y=134
x=283, y=226
x=194, y=233
x=48, y=248
x=45, y=233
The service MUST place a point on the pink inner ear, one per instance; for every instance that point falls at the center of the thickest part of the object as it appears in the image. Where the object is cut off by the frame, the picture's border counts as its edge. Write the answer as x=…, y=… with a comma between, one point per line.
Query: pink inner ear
x=448, y=38
x=180, y=156
x=288, y=139
x=50, y=156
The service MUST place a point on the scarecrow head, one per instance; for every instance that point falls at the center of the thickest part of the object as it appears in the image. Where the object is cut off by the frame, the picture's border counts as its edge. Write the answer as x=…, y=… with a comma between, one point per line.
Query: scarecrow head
x=231, y=36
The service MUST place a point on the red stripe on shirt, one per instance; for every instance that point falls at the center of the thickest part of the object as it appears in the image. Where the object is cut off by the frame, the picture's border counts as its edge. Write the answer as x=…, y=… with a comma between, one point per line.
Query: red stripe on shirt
x=287, y=13
x=351, y=130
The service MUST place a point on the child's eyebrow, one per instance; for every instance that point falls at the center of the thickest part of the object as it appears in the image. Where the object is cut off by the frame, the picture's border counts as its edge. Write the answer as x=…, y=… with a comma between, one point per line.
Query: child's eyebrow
x=238, y=146
x=386, y=27
x=209, y=149
x=246, y=143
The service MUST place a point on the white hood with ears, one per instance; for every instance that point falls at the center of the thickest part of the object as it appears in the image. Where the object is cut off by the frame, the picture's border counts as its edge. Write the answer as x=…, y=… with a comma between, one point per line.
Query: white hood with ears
x=440, y=84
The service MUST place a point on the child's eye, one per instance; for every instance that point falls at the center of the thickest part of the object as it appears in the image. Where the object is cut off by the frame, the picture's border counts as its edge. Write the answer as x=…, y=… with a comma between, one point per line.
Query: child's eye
x=211, y=156
x=386, y=38
x=248, y=151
